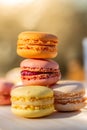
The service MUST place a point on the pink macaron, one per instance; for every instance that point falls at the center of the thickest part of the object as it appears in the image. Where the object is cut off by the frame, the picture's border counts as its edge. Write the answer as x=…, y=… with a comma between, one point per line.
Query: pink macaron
x=5, y=89
x=39, y=72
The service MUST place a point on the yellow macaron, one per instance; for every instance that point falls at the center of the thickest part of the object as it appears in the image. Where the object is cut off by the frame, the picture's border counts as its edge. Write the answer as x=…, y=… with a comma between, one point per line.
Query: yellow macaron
x=32, y=101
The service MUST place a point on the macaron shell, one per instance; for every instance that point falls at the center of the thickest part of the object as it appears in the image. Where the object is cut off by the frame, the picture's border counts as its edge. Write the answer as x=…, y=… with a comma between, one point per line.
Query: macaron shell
x=70, y=107
x=32, y=53
x=33, y=113
x=31, y=91
x=44, y=82
x=14, y=76
x=37, y=36
x=39, y=63
x=67, y=89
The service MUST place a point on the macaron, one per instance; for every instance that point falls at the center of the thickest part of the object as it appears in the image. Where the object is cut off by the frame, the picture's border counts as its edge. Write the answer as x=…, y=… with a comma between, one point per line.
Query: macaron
x=37, y=45
x=5, y=89
x=32, y=102
x=69, y=96
x=14, y=76
x=39, y=72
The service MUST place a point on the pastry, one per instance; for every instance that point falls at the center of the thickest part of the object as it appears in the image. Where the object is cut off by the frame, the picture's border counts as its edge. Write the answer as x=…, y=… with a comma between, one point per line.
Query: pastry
x=69, y=95
x=39, y=72
x=37, y=45
x=32, y=102
x=5, y=89
x=14, y=76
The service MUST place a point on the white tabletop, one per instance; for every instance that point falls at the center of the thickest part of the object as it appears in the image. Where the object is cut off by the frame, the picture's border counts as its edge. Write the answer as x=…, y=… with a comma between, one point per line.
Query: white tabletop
x=56, y=121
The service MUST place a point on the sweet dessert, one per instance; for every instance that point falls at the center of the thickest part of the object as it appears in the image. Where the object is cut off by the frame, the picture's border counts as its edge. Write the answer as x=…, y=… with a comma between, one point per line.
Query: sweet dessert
x=32, y=102
x=37, y=45
x=5, y=89
x=69, y=95
x=14, y=76
x=39, y=72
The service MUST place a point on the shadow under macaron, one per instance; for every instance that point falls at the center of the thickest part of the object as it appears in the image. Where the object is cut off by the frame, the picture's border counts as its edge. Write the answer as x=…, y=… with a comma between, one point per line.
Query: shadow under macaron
x=63, y=114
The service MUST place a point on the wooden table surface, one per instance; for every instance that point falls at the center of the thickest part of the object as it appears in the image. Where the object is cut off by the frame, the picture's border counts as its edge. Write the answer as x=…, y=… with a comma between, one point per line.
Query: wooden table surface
x=56, y=121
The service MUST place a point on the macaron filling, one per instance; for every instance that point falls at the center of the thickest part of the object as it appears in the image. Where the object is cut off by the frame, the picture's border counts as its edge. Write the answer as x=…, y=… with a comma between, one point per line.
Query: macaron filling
x=51, y=48
x=25, y=74
x=32, y=103
x=22, y=42
x=39, y=107
x=31, y=73
x=70, y=101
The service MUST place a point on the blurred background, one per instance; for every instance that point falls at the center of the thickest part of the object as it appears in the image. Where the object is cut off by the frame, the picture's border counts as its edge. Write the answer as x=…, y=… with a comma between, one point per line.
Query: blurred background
x=65, y=18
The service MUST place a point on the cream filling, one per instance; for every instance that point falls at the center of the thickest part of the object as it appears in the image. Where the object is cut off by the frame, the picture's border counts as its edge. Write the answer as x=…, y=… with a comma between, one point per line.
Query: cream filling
x=36, y=42
x=38, y=48
x=41, y=76
x=32, y=103
x=68, y=96
x=71, y=100
x=31, y=107
x=32, y=99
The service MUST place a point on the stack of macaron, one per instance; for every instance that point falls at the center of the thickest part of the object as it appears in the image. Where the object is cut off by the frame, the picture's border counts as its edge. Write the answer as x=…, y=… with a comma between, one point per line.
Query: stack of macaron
x=39, y=48
x=42, y=92
x=39, y=73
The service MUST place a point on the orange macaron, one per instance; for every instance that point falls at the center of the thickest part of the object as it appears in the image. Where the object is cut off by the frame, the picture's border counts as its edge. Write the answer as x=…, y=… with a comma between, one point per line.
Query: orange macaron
x=37, y=45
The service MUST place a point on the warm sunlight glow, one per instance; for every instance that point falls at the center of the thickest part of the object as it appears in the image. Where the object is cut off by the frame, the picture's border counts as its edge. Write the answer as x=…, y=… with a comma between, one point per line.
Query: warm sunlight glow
x=14, y=2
